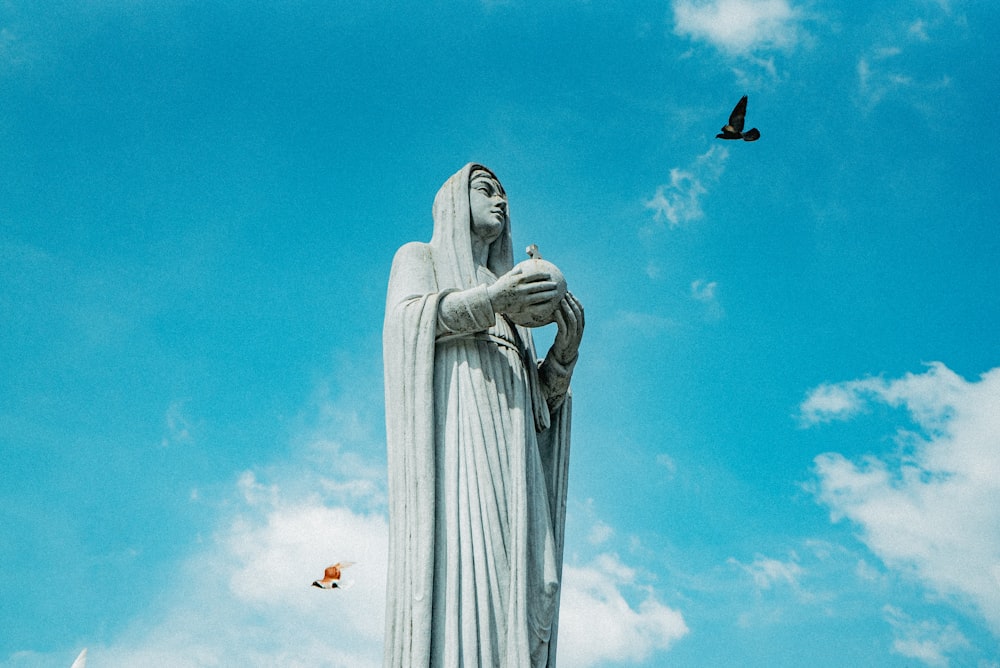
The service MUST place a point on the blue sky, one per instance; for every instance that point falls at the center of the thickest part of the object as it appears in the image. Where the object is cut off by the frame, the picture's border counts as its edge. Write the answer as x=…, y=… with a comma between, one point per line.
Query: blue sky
x=787, y=406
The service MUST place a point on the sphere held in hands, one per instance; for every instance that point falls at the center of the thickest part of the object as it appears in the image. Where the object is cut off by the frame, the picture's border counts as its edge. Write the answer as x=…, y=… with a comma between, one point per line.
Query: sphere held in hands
x=542, y=314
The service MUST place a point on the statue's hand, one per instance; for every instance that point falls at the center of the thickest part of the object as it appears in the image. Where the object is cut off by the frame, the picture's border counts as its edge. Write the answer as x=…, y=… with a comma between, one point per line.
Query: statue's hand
x=516, y=291
x=569, y=319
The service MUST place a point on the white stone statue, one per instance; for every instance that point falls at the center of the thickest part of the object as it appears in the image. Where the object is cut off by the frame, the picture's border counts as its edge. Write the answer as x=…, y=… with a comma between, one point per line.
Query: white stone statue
x=478, y=440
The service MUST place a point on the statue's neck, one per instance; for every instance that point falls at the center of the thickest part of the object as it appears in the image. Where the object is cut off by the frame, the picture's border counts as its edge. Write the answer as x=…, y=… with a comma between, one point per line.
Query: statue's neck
x=480, y=252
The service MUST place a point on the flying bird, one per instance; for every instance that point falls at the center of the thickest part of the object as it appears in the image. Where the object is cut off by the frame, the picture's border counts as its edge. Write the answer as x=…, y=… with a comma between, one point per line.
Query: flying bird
x=734, y=130
x=331, y=576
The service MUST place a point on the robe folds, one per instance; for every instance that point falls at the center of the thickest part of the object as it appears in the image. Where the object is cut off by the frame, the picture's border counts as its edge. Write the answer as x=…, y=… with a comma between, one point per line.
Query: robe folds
x=478, y=447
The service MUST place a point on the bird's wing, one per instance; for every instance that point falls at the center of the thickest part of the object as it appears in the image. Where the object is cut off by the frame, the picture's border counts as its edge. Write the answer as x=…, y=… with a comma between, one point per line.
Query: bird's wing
x=333, y=572
x=752, y=134
x=81, y=660
x=739, y=113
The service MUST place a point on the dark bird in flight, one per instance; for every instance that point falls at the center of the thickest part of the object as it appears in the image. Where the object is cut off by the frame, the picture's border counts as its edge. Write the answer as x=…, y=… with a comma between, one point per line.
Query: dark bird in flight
x=734, y=130
x=331, y=576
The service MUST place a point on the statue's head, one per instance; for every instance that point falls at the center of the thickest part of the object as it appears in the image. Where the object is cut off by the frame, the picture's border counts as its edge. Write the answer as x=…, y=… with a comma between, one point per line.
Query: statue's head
x=454, y=222
x=487, y=205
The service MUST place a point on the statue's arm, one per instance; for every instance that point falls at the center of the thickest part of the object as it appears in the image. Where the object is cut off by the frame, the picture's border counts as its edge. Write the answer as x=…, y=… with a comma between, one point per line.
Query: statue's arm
x=459, y=311
x=556, y=370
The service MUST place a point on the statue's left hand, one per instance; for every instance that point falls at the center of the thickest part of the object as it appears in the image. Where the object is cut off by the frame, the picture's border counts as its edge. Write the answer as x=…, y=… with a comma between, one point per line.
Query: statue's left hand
x=569, y=319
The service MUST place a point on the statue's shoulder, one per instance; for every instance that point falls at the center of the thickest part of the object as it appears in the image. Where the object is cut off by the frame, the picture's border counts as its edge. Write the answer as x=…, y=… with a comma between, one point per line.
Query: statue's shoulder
x=415, y=252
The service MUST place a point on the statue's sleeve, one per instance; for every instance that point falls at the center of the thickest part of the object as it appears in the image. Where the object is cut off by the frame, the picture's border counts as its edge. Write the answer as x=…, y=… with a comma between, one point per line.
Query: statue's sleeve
x=465, y=311
x=553, y=379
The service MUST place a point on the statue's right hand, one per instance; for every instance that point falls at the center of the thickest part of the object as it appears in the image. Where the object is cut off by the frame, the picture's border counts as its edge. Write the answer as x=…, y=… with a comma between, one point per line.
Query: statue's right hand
x=516, y=291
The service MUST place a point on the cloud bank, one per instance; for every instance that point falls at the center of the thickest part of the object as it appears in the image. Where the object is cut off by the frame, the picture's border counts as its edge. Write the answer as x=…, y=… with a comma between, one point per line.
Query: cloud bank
x=930, y=507
x=244, y=596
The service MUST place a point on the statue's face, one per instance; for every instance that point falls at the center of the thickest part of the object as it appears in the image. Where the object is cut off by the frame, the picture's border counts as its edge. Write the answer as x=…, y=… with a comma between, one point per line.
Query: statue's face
x=488, y=207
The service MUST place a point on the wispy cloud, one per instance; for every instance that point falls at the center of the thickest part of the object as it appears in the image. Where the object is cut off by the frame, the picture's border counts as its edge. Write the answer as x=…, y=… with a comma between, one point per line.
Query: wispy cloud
x=668, y=463
x=739, y=26
x=928, y=509
x=880, y=75
x=704, y=292
x=927, y=641
x=768, y=572
x=918, y=30
x=177, y=427
x=895, y=66
x=809, y=582
x=679, y=201
x=600, y=532
x=11, y=49
x=639, y=323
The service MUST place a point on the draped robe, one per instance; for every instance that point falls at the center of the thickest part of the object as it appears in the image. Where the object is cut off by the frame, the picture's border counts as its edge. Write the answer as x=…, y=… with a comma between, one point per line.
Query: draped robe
x=478, y=446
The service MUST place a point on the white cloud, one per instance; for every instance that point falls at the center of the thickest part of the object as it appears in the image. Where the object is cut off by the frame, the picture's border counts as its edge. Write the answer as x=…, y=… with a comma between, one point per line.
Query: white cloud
x=704, y=292
x=832, y=402
x=598, y=626
x=929, y=508
x=767, y=572
x=888, y=70
x=600, y=532
x=739, y=26
x=667, y=462
x=867, y=572
x=918, y=30
x=13, y=51
x=679, y=201
x=926, y=641
x=246, y=598
x=177, y=425
x=639, y=323
x=879, y=77
x=813, y=581
x=887, y=52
